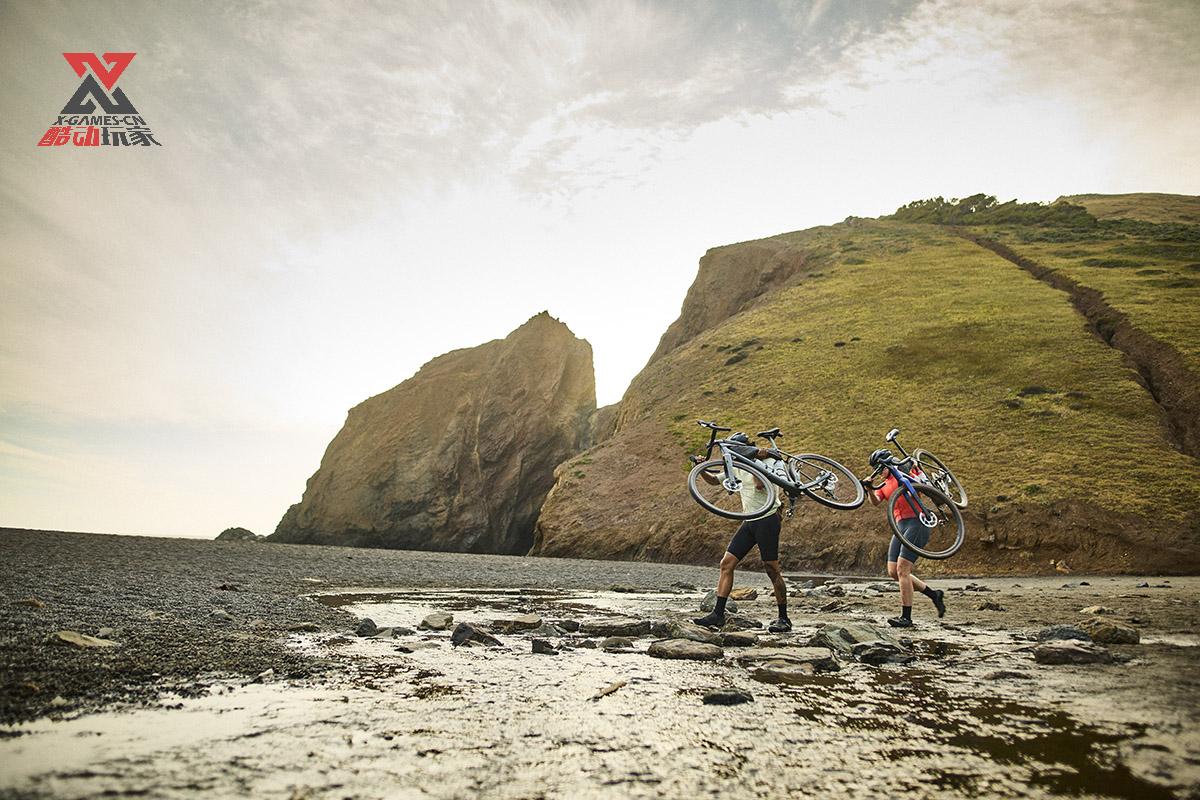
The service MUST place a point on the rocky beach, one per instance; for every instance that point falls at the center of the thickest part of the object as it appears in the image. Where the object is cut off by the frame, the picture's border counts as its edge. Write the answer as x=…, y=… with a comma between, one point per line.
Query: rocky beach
x=181, y=668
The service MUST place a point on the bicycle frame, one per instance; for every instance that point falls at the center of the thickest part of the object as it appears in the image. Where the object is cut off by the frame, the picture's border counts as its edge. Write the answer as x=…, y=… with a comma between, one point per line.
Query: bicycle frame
x=928, y=519
x=731, y=459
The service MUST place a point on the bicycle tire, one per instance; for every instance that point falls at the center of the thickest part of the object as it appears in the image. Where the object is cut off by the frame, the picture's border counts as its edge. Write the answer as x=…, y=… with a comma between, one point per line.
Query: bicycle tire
x=931, y=465
x=827, y=495
x=718, y=465
x=944, y=506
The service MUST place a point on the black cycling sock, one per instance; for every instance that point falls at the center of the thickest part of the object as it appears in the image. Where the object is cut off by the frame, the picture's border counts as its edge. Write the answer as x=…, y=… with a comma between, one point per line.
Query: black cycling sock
x=929, y=591
x=783, y=611
x=906, y=612
x=720, y=609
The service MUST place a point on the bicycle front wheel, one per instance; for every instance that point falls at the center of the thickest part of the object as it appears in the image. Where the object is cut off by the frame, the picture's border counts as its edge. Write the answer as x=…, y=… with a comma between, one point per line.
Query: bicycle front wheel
x=941, y=477
x=826, y=481
x=749, y=495
x=943, y=532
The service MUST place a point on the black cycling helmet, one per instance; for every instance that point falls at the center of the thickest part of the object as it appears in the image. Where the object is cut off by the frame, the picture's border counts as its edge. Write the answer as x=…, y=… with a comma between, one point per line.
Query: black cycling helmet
x=740, y=438
x=740, y=443
x=881, y=456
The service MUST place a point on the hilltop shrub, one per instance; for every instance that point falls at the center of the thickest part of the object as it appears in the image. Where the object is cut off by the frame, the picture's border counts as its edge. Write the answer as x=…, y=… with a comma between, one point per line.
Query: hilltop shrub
x=984, y=209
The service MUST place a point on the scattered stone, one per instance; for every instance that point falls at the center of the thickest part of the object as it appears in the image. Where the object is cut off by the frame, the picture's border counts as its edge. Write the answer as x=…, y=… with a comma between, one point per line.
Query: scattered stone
x=685, y=649
x=1006, y=674
x=1107, y=631
x=547, y=631
x=624, y=588
x=834, y=590
x=607, y=690
x=739, y=639
x=1060, y=566
x=617, y=644
x=465, y=633
x=989, y=605
x=744, y=593
x=727, y=697
x=876, y=653
x=735, y=622
x=569, y=625
x=1060, y=632
x=833, y=606
x=544, y=648
x=589, y=644
x=82, y=639
x=683, y=586
x=221, y=615
x=59, y=702
x=305, y=627
x=884, y=586
x=1096, y=610
x=30, y=602
x=524, y=622
x=977, y=587
x=803, y=659
x=228, y=587
x=412, y=647
x=1071, y=652
x=104, y=633
x=264, y=676
x=1143, y=585
x=439, y=621
x=709, y=602
x=678, y=629
x=615, y=626
x=366, y=627
x=843, y=638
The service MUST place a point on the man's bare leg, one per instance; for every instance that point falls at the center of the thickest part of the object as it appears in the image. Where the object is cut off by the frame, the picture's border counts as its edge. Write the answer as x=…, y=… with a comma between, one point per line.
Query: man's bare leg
x=716, y=618
x=783, y=624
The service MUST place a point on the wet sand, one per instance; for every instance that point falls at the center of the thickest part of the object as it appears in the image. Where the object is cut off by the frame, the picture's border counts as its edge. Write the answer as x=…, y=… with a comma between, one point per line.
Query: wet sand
x=339, y=715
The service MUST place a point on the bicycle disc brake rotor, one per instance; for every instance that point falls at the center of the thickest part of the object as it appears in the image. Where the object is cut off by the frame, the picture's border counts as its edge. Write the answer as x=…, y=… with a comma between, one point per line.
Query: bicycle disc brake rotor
x=930, y=520
x=731, y=485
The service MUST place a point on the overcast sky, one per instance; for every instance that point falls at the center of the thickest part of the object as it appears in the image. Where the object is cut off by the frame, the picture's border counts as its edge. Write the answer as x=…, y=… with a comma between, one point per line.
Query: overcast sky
x=346, y=190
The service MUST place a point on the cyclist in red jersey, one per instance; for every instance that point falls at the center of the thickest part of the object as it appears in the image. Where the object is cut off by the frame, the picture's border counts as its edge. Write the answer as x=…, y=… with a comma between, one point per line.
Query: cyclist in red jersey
x=901, y=558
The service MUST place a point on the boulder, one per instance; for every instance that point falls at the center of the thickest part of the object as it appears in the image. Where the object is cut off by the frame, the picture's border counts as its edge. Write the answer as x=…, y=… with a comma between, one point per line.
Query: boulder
x=522, y=622
x=460, y=456
x=709, y=602
x=617, y=644
x=1069, y=651
x=877, y=653
x=1107, y=631
x=1062, y=632
x=804, y=659
x=544, y=648
x=437, y=621
x=685, y=649
x=743, y=593
x=736, y=622
x=465, y=633
x=738, y=639
x=1096, y=610
x=678, y=629
x=615, y=626
x=238, y=535
x=547, y=631
x=366, y=627
x=843, y=638
x=727, y=697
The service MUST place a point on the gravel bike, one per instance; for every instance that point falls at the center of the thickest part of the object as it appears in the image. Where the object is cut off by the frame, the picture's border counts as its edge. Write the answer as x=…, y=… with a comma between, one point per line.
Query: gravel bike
x=720, y=483
x=939, y=474
x=934, y=509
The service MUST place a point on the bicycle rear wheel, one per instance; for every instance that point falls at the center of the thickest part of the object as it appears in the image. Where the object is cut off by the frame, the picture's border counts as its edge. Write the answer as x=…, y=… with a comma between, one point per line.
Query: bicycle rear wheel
x=942, y=520
x=828, y=482
x=724, y=498
x=941, y=477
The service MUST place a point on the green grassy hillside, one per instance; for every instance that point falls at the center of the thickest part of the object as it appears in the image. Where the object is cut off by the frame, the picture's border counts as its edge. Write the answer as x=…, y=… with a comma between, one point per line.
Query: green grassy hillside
x=1146, y=206
x=885, y=323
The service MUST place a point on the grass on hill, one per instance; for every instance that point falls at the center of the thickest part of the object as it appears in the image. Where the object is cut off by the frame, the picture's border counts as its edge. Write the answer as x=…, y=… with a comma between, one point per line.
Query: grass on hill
x=969, y=355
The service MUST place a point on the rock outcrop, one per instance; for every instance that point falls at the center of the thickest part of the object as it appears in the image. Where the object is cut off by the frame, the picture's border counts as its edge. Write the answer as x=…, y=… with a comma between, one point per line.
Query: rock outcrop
x=459, y=457
x=238, y=535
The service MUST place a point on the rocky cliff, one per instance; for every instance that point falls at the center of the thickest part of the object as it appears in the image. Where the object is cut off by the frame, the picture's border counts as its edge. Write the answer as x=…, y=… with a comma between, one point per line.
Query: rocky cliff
x=459, y=457
x=1065, y=435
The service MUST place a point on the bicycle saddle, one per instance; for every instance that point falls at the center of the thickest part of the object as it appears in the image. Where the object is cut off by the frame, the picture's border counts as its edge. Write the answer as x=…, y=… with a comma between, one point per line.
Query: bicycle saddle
x=771, y=434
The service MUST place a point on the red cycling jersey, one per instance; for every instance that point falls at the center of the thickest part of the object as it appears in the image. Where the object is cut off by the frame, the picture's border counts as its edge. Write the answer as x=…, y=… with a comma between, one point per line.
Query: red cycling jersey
x=903, y=509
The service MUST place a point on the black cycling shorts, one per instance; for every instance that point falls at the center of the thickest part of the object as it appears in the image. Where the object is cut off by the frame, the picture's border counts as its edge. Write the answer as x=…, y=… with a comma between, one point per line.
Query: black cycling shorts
x=916, y=533
x=763, y=532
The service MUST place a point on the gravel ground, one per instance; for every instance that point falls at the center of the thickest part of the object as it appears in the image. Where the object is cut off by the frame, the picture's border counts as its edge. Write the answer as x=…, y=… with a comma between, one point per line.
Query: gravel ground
x=158, y=596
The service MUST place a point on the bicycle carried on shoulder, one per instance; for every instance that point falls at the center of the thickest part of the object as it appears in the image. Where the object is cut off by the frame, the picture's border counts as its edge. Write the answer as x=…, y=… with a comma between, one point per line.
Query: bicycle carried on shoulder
x=939, y=474
x=720, y=484
x=934, y=509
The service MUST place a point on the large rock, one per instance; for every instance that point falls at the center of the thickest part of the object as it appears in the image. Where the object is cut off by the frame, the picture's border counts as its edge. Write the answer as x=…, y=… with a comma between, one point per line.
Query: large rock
x=844, y=638
x=1107, y=631
x=1070, y=651
x=678, y=629
x=521, y=622
x=459, y=457
x=614, y=626
x=685, y=649
x=815, y=659
x=237, y=535
x=1063, y=632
